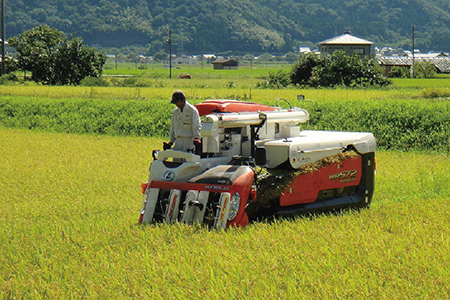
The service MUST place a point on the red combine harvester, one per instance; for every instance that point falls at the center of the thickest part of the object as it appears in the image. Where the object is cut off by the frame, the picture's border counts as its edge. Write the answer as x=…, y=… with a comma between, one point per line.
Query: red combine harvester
x=256, y=164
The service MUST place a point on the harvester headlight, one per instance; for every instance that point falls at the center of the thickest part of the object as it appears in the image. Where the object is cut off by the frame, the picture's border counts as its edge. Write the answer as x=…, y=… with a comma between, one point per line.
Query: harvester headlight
x=235, y=203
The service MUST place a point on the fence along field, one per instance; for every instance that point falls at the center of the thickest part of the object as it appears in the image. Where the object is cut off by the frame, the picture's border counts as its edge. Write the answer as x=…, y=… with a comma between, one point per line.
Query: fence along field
x=69, y=227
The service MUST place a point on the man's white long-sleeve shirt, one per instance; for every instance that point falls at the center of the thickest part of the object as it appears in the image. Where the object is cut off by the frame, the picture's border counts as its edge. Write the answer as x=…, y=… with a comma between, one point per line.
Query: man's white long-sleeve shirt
x=185, y=125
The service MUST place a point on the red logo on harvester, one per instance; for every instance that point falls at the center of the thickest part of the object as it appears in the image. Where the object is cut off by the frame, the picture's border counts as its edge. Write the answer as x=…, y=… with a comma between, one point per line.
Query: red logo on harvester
x=222, y=213
x=344, y=176
x=172, y=207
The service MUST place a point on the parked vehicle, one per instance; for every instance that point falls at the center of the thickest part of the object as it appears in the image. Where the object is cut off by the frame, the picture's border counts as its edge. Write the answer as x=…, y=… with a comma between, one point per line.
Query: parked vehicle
x=184, y=76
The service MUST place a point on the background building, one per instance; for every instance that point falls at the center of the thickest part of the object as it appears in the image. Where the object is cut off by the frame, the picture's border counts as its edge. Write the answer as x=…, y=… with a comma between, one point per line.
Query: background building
x=348, y=43
x=229, y=64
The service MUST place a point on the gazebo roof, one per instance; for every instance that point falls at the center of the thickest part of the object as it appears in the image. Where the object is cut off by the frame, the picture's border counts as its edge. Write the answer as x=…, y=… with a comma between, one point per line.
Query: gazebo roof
x=346, y=39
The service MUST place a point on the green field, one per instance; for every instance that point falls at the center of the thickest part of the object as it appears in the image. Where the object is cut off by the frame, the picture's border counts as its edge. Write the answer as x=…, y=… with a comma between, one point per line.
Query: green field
x=71, y=202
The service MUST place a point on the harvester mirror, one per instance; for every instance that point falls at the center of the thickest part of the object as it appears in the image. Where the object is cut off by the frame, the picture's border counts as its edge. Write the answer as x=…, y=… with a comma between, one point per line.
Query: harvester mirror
x=260, y=156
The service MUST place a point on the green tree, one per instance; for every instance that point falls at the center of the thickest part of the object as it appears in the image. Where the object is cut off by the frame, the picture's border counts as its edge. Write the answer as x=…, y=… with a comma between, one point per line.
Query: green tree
x=52, y=59
x=10, y=64
x=161, y=55
x=134, y=58
x=76, y=61
x=292, y=57
x=400, y=72
x=337, y=69
x=265, y=57
x=302, y=71
x=154, y=47
x=36, y=51
x=424, y=69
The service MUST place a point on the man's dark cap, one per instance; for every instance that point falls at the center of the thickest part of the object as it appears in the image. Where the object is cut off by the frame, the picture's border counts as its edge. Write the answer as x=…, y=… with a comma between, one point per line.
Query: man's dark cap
x=177, y=96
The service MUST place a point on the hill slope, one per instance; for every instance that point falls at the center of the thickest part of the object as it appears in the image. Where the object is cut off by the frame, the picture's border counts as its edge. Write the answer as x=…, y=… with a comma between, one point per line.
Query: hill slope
x=245, y=25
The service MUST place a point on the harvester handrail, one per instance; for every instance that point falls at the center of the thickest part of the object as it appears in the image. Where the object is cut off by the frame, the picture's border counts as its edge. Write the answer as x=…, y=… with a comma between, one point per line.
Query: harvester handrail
x=320, y=150
x=355, y=145
x=276, y=102
x=188, y=157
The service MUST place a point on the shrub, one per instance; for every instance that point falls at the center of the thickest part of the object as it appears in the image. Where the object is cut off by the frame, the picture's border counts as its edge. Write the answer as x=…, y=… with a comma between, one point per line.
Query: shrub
x=94, y=81
x=263, y=85
x=436, y=93
x=280, y=79
x=135, y=82
x=400, y=72
x=424, y=69
x=231, y=84
x=8, y=79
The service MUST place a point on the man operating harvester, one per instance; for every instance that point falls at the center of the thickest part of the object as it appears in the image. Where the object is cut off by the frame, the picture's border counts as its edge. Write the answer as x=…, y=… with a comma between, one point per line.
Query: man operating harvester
x=185, y=126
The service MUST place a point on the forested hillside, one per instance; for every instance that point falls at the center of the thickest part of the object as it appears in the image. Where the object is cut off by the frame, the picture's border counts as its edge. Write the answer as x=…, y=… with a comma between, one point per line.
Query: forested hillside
x=245, y=25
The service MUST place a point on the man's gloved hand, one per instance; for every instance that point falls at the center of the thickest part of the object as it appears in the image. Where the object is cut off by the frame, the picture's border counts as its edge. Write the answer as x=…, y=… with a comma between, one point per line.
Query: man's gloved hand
x=167, y=146
x=154, y=152
x=197, y=142
x=198, y=146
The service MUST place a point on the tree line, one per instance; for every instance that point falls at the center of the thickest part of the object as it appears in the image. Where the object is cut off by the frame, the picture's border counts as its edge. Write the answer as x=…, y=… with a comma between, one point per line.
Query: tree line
x=248, y=25
x=53, y=59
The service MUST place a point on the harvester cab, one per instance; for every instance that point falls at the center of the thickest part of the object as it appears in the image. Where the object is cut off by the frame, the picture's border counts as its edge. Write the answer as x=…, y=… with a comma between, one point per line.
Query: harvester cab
x=255, y=163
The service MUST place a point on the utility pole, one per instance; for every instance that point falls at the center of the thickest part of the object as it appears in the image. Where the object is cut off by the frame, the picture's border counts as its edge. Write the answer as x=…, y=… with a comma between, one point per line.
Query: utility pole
x=3, y=36
x=413, y=46
x=169, y=41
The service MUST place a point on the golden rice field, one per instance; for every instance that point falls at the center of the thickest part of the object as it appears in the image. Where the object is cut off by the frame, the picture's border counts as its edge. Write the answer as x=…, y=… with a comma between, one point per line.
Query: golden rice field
x=70, y=205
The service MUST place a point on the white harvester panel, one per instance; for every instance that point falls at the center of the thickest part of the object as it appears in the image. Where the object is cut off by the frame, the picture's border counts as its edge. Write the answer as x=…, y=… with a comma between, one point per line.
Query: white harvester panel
x=315, y=145
x=210, y=134
x=287, y=131
x=195, y=207
x=189, y=166
x=312, y=146
x=199, y=214
x=188, y=211
x=150, y=200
